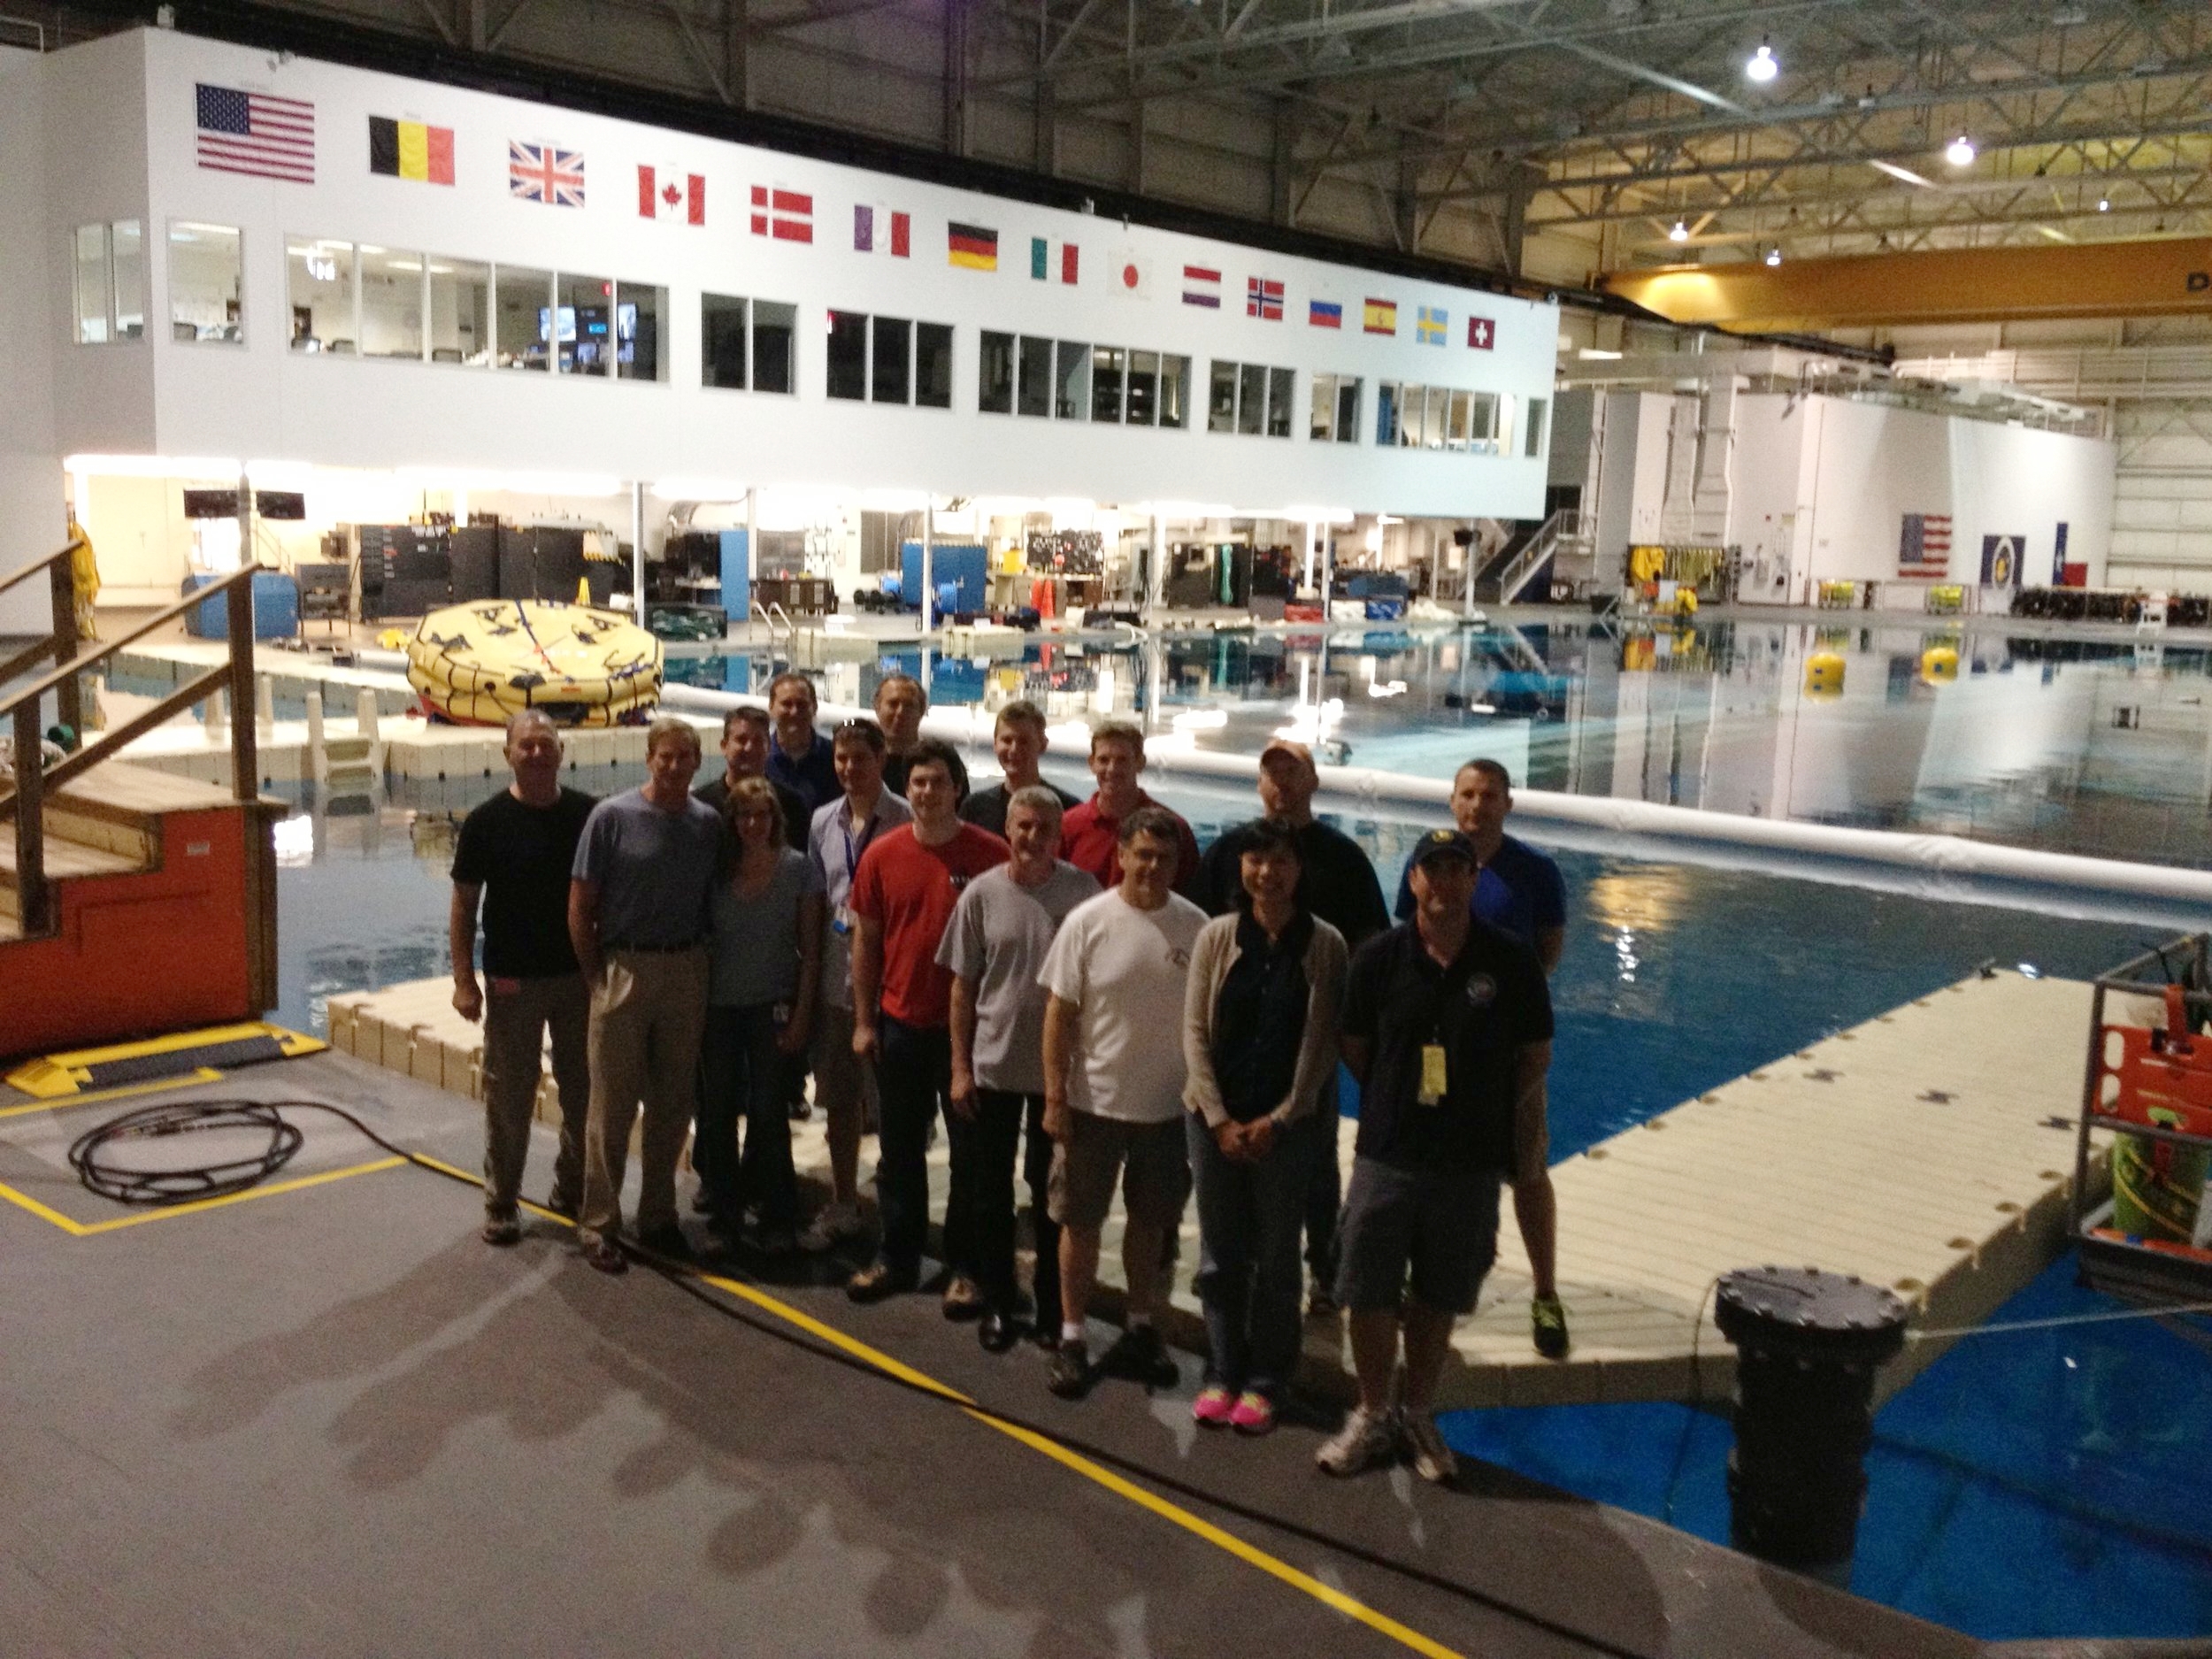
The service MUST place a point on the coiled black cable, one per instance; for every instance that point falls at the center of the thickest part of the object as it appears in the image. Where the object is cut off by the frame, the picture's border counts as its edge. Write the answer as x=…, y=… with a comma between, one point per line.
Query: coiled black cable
x=184, y=1184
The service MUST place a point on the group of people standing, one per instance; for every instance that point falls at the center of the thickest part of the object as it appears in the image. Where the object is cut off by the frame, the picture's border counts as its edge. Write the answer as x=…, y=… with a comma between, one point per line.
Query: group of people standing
x=1067, y=988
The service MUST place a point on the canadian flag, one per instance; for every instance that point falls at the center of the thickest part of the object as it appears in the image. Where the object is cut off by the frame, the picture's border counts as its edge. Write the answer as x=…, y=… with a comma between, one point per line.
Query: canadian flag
x=671, y=193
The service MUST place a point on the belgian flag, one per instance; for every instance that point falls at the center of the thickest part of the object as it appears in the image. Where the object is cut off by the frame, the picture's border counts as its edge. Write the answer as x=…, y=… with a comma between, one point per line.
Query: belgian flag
x=408, y=150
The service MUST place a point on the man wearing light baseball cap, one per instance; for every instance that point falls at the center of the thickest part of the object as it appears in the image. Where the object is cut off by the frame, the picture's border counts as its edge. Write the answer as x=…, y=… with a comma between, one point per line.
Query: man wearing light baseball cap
x=1448, y=1027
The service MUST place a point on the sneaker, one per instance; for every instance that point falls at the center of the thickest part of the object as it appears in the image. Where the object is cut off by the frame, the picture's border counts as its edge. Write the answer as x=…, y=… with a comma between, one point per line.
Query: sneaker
x=1369, y=1440
x=1139, y=1355
x=1432, y=1460
x=877, y=1280
x=502, y=1230
x=1212, y=1407
x=831, y=1227
x=1071, y=1375
x=1548, y=1321
x=1321, y=1303
x=1254, y=1413
x=606, y=1255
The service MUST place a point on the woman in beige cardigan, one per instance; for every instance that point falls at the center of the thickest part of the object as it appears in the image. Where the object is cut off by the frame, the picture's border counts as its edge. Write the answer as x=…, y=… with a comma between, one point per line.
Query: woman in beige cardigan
x=1260, y=1026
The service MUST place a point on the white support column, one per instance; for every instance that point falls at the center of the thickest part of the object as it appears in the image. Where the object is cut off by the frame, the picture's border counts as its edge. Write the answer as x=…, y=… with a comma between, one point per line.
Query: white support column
x=264, y=708
x=317, y=748
x=1156, y=579
x=637, y=548
x=1467, y=573
x=752, y=555
x=929, y=558
x=1313, y=532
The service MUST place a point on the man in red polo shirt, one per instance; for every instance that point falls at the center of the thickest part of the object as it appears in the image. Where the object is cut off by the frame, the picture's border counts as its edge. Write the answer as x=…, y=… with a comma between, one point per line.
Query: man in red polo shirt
x=901, y=900
x=1091, y=834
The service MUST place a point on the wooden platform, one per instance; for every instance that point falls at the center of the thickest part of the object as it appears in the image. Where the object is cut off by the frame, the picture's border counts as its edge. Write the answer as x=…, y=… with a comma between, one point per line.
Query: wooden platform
x=1930, y=1151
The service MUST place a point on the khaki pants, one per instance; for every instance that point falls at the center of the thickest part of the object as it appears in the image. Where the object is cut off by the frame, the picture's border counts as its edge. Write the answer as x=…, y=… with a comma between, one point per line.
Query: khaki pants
x=844, y=1084
x=647, y=1012
x=515, y=1023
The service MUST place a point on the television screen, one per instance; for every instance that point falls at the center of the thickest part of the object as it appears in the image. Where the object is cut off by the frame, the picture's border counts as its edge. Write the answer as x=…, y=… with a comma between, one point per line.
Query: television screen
x=567, y=323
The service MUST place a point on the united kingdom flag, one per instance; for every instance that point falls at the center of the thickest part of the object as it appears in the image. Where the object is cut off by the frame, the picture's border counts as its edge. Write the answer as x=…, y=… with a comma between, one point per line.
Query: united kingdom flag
x=539, y=173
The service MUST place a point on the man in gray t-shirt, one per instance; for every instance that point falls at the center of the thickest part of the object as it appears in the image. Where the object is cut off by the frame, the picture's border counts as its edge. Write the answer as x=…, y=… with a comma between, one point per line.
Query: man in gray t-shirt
x=995, y=946
x=637, y=915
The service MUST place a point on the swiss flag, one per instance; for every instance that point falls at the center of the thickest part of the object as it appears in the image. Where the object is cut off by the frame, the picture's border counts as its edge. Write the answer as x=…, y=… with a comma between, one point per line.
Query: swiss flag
x=671, y=193
x=1482, y=334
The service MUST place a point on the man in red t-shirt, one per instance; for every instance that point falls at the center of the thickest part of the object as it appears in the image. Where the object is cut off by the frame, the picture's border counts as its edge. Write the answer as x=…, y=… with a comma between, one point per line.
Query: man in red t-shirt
x=1090, y=834
x=901, y=900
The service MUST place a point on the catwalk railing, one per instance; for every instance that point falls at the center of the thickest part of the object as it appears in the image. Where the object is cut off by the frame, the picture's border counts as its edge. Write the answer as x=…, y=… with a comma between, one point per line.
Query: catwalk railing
x=24, y=796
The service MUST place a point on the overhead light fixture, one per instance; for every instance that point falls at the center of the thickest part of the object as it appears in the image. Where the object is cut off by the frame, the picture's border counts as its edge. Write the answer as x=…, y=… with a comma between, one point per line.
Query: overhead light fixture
x=1903, y=175
x=1680, y=233
x=1960, y=151
x=2104, y=204
x=1774, y=256
x=1760, y=66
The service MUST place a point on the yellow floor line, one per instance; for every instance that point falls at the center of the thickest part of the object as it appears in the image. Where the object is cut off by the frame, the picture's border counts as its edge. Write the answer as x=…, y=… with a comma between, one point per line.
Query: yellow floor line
x=76, y=1229
x=1172, y=1513
x=274, y=1190
x=62, y=1102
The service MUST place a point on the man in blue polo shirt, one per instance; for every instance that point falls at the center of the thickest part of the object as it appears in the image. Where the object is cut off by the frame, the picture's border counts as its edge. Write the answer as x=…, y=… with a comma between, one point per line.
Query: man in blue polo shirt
x=1518, y=891
x=799, y=758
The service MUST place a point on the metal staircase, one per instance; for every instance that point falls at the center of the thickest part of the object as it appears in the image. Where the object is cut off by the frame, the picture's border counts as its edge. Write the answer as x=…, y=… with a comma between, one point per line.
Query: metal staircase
x=1561, y=534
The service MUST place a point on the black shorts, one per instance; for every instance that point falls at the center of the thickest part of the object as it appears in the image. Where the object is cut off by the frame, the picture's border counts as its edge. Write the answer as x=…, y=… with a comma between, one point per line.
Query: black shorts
x=1442, y=1225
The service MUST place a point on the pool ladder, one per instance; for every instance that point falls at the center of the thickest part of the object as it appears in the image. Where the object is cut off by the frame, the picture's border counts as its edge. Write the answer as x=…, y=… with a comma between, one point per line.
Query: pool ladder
x=781, y=628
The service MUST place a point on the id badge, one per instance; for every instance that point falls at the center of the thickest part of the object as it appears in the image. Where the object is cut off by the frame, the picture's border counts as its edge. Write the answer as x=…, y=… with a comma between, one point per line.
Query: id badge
x=1434, y=1076
x=842, y=924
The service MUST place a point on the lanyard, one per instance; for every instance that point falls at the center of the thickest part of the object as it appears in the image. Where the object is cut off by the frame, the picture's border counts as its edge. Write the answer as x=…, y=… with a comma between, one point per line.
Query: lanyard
x=852, y=849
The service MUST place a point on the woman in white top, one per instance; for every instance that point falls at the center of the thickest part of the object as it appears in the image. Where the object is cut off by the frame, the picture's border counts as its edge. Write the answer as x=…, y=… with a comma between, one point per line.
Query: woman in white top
x=766, y=937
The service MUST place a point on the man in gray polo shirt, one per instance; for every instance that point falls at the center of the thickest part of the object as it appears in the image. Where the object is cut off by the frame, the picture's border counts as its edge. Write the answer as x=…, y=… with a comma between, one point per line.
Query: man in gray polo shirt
x=995, y=946
x=637, y=914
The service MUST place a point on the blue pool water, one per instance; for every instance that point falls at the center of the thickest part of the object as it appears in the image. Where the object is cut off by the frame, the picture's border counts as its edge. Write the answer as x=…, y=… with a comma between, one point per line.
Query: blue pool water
x=2049, y=1485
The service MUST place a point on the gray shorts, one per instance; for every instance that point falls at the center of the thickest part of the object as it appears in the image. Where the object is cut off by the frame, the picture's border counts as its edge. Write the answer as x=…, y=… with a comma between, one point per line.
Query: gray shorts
x=1149, y=1159
x=1441, y=1223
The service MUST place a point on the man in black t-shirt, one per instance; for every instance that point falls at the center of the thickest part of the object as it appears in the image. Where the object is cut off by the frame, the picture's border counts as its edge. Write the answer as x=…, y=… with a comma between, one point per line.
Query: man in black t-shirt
x=1448, y=1027
x=745, y=744
x=1018, y=741
x=514, y=854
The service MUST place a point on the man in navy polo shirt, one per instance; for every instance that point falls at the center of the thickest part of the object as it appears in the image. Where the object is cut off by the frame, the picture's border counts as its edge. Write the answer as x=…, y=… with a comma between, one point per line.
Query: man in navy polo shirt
x=799, y=758
x=1518, y=890
x=1448, y=1027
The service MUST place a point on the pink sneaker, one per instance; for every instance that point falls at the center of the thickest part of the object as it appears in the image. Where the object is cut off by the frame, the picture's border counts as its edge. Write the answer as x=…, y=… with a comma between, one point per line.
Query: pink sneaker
x=1253, y=1414
x=1215, y=1407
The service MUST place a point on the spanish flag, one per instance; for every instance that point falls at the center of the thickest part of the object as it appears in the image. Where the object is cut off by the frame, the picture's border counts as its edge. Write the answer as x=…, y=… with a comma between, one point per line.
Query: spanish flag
x=408, y=150
x=1380, y=316
x=972, y=246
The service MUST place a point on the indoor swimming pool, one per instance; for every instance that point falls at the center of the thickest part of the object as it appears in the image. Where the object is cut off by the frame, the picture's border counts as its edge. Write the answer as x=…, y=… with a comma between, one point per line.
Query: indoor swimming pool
x=2102, y=748
x=2070, y=1460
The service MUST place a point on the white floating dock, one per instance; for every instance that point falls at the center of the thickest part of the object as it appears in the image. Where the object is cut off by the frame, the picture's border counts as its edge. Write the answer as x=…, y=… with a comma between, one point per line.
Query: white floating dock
x=1929, y=1150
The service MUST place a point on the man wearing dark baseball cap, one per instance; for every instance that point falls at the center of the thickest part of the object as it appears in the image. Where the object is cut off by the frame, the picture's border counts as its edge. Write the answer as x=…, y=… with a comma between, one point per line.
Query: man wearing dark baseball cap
x=1448, y=1027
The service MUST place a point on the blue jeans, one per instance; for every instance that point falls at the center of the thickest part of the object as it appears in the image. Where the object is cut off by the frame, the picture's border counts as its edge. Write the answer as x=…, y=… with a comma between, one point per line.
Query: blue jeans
x=741, y=1076
x=1248, y=1273
x=914, y=1077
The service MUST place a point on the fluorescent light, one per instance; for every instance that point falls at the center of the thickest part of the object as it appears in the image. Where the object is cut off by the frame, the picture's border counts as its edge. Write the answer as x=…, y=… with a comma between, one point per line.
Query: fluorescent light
x=152, y=466
x=1760, y=66
x=1960, y=151
x=1774, y=256
x=1680, y=233
x=1592, y=354
x=1905, y=173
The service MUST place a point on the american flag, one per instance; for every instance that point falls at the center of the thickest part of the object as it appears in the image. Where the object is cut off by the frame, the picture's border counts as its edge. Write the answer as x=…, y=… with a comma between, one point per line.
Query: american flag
x=253, y=133
x=1924, y=548
x=539, y=173
x=1263, y=297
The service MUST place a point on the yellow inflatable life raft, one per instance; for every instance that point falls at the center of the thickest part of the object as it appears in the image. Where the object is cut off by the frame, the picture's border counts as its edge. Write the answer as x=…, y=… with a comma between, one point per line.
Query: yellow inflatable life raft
x=482, y=663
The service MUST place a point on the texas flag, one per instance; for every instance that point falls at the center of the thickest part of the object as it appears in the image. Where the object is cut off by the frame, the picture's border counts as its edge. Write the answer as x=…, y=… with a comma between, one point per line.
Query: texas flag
x=671, y=193
x=880, y=230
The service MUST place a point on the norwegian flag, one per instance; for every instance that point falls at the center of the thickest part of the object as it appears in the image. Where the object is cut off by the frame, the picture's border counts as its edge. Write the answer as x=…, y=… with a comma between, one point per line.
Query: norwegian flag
x=784, y=215
x=539, y=173
x=1263, y=298
x=671, y=193
x=882, y=230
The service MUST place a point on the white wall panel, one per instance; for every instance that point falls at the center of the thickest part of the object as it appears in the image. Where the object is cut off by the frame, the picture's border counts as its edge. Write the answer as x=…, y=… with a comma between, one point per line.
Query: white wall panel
x=259, y=400
x=31, y=520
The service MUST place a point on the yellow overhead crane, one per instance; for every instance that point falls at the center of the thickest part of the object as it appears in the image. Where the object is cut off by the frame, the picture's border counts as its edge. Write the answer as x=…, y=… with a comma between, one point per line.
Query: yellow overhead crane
x=1961, y=285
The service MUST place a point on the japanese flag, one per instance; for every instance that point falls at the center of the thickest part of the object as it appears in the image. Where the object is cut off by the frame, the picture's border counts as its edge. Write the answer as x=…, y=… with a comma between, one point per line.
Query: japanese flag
x=671, y=193
x=1130, y=275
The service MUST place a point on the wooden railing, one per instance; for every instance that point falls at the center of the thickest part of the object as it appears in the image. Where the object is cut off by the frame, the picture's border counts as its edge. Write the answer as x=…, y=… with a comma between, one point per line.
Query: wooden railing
x=26, y=801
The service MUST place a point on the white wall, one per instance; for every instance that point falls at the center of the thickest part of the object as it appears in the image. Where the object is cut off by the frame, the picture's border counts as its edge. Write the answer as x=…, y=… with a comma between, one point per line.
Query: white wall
x=258, y=399
x=31, y=516
x=1830, y=480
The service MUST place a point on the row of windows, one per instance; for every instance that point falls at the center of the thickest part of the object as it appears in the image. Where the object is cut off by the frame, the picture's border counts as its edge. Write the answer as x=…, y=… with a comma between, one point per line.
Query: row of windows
x=1070, y=380
x=352, y=299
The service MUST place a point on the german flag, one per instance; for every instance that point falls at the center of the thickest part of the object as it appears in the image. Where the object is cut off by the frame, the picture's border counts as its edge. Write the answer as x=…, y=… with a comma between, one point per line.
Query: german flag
x=408, y=150
x=972, y=246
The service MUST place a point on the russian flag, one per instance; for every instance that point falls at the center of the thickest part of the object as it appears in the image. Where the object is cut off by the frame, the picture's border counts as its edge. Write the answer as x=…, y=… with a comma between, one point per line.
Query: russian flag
x=1324, y=314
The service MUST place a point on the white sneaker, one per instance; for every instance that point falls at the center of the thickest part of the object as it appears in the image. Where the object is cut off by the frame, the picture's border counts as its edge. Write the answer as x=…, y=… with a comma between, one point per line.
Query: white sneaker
x=835, y=1224
x=1433, y=1459
x=1367, y=1440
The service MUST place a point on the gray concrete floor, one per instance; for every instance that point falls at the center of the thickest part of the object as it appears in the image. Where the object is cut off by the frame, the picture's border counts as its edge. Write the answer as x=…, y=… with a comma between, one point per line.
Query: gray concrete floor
x=331, y=1422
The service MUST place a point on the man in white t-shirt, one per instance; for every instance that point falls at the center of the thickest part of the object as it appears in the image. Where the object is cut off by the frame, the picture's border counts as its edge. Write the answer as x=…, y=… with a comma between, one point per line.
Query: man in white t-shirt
x=1113, y=1095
